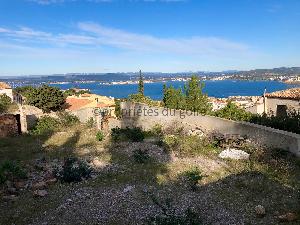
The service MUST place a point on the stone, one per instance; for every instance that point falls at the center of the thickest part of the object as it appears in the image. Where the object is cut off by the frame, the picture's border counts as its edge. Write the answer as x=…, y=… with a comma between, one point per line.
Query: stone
x=40, y=193
x=260, y=210
x=231, y=153
x=128, y=188
x=97, y=163
x=51, y=181
x=19, y=184
x=288, y=217
x=39, y=185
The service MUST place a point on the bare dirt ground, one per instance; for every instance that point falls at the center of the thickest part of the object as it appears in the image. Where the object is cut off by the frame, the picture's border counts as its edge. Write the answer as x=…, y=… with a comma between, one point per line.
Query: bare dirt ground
x=122, y=191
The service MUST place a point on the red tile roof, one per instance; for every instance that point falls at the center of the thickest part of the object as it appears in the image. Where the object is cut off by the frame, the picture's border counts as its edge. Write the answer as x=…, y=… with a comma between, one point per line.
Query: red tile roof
x=75, y=103
x=293, y=94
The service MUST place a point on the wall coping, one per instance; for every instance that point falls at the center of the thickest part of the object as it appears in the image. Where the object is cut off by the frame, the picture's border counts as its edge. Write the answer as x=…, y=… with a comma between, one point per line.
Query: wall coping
x=283, y=132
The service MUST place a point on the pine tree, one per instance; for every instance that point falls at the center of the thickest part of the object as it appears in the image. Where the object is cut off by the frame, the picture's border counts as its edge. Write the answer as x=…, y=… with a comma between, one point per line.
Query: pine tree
x=196, y=101
x=173, y=98
x=141, y=84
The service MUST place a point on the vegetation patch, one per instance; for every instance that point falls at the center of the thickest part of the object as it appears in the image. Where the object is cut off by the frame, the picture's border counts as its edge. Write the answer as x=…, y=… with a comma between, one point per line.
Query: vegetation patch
x=135, y=134
x=10, y=170
x=141, y=156
x=74, y=170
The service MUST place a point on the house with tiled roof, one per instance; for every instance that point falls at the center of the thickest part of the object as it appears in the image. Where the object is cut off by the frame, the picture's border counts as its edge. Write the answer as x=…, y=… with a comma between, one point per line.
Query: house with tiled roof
x=6, y=89
x=280, y=102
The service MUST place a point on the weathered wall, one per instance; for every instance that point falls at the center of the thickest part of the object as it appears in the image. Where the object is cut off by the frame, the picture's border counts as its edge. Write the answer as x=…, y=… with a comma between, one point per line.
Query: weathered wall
x=8, y=125
x=272, y=104
x=8, y=92
x=146, y=117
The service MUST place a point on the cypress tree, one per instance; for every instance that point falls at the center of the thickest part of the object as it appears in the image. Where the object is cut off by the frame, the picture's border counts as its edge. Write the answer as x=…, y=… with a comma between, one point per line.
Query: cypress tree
x=141, y=84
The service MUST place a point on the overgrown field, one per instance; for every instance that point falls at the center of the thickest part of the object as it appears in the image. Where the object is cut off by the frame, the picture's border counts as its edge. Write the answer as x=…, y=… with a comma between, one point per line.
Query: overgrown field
x=76, y=175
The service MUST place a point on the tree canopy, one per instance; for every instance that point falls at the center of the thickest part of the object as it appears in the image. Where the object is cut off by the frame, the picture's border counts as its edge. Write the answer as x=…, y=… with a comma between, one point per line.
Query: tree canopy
x=46, y=98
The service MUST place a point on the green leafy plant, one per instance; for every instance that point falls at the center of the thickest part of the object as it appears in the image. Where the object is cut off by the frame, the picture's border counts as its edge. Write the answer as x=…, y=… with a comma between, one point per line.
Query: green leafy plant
x=99, y=136
x=10, y=170
x=193, y=176
x=46, y=98
x=133, y=134
x=5, y=102
x=169, y=215
x=233, y=112
x=74, y=170
x=90, y=123
x=66, y=119
x=46, y=124
x=141, y=156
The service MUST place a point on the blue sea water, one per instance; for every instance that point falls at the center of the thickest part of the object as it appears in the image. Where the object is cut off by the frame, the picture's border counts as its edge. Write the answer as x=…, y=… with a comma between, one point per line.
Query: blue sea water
x=218, y=89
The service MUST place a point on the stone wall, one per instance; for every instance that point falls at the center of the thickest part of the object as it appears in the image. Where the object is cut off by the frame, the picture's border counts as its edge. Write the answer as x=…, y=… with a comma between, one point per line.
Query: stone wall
x=146, y=117
x=8, y=125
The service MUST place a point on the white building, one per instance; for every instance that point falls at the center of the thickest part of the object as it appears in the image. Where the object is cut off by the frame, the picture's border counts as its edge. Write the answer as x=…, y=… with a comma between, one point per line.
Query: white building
x=6, y=89
x=278, y=103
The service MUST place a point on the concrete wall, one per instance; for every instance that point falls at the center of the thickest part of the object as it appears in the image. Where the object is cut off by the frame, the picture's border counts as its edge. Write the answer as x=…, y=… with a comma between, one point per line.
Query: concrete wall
x=8, y=92
x=144, y=116
x=8, y=125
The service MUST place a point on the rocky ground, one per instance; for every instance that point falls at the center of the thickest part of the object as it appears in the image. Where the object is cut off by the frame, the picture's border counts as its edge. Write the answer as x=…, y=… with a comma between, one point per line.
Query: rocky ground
x=122, y=191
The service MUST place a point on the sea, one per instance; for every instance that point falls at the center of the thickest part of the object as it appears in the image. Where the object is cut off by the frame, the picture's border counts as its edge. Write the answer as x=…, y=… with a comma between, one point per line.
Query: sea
x=219, y=89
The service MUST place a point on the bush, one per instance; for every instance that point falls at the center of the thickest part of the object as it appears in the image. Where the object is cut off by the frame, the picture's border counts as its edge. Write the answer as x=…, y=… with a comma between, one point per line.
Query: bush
x=46, y=124
x=91, y=122
x=74, y=170
x=233, y=112
x=99, y=136
x=193, y=176
x=290, y=122
x=66, y=119
x=141, y=156
x=132, y=134
x=5, y=102
x=169, y=215
x=10, y=170
x=140, y=98
x=46, y=98
x=188, y=145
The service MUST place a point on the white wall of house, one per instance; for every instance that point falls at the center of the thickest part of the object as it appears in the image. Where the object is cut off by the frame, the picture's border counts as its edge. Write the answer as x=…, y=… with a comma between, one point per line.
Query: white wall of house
x=272, y=103
x=8, y=92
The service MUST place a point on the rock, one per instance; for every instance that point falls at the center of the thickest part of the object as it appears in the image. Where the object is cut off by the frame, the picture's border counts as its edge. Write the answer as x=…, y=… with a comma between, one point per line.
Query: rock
x=19, y=184
x=260, y=210
x=232, y=153
x=288, y=217
x=39, y=185
x=97, y=163
x=10, y=198
x=196, y=132
x=40, y=193
x=128, y=188
x=51, y=181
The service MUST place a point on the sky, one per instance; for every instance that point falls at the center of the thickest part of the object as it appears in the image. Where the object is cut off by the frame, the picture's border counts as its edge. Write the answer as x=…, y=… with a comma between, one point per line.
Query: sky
x=40, y=37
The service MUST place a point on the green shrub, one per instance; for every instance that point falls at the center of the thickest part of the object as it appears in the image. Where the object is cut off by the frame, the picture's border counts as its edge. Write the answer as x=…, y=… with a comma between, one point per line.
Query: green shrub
x=10, y=170
x=233, y=112
x=91, y=122
x=133, y=134
x=74, y=170
x=66, y=119
x=5, y=102
x=188, y=145
x=46, y=124
x=193, y=176
x=141, y=156
x=99, y=136
x=289, y=122
x=46, y=98
x=140, y=98
x=169, y=215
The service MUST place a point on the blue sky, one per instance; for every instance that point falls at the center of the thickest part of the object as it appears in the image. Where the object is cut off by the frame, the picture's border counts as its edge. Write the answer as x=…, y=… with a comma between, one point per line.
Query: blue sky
x=64, y=36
